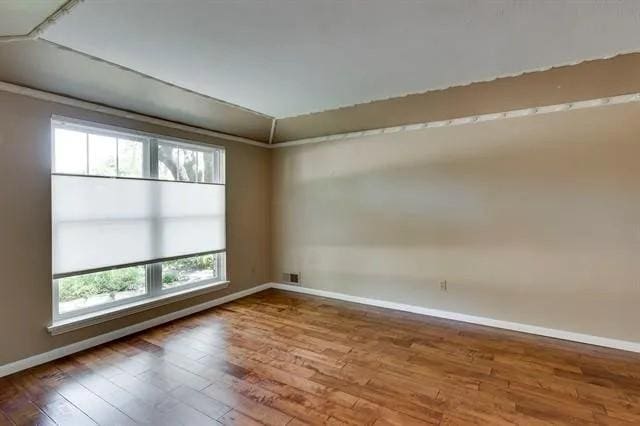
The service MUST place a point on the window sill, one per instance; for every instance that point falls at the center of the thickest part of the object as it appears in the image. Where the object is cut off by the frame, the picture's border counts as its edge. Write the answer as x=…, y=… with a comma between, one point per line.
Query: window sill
x=75, y=323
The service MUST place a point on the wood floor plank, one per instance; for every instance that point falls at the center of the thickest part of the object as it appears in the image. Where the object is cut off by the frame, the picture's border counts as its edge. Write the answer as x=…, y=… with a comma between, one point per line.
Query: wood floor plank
x=63, y=412
x=36, y=390
x=4, y=420
x=201, y=402
x=129, y=404
x=59, y=386
x=247, y=405
x=17, y=406
x=280, y=358
x=93, y=406
x=236, y=418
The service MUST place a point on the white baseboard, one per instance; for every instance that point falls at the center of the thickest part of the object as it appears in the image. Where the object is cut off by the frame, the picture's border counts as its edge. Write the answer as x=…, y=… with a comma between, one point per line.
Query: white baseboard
x=508, y=325
x=54, y=354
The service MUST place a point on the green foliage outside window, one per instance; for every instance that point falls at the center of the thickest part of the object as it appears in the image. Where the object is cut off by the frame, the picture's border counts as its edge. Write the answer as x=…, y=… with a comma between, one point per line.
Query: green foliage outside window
x=108, y=282
x=130, y=279
x=179, y=270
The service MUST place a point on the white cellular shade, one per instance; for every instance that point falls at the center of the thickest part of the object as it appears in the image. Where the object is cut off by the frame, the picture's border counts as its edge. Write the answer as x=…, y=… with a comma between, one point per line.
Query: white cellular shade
x=103, y=222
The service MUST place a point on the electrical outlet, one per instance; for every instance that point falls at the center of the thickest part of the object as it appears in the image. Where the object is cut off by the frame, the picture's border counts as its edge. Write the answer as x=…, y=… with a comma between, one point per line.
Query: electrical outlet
x=443, y=285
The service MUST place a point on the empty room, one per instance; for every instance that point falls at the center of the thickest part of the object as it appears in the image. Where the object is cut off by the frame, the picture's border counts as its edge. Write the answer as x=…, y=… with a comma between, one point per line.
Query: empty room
x=319, y=212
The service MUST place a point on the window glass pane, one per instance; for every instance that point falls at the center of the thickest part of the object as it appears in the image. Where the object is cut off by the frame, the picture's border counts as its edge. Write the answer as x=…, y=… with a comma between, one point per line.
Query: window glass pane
x=191, y=270
x=201, y=167
x=207, y=167
x=188, y=165
x=70, y=151
x=167, y=162
x=220, y=166
x=102, y=155
x=181, y=170
x=130, y=158
x=85, y=291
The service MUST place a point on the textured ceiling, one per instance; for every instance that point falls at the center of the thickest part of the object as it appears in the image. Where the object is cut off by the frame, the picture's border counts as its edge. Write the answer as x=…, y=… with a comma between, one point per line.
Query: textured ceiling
x=18, y=17
x=285, y=58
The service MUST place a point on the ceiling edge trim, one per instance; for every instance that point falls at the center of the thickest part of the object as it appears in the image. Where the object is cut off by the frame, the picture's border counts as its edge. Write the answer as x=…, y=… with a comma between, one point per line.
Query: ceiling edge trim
x=90, y=106
x=47, y=22
x=272, y=133
x=570, y=106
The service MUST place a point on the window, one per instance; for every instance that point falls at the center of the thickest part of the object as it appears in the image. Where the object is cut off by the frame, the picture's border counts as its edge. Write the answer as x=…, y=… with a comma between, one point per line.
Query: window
x=134, y=217
x=190, y=270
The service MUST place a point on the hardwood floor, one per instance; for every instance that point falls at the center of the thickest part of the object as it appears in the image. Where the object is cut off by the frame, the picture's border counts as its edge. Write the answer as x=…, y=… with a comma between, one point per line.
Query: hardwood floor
x=280, y=358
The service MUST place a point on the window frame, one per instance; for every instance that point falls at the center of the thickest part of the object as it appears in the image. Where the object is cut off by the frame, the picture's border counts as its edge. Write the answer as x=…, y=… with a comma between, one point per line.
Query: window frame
x=149, y=151
x=57, y=316
x=153, y=270
x=153, y=287
x=220, y=259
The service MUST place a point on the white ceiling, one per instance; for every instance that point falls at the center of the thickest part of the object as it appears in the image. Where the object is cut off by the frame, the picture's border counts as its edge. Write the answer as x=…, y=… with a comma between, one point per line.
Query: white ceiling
x=18, y=17
x=286, y=57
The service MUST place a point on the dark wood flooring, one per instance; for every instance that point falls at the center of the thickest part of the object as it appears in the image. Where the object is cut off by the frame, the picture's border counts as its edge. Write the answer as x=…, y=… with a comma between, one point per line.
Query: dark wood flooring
x=280, y=358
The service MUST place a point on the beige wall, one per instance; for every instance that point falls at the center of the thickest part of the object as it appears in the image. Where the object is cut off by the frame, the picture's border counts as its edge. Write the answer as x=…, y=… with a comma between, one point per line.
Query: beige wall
x=534, y=220
x=25, y=224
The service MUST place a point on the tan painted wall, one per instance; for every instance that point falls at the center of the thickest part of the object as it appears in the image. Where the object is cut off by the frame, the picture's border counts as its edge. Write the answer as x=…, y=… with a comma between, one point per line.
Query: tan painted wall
x=534, y=220
x=25, y=224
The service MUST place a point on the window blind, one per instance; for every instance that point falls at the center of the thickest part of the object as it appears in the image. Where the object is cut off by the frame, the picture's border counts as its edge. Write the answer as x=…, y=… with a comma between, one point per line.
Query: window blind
x=105, y=222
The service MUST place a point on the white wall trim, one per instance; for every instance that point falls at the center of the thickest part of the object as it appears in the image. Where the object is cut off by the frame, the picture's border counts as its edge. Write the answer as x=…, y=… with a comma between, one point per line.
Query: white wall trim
x=119, y=311
x=507, y=325
x=54, y=354
x=90, y=106
x=273, y=130
x=592, y=103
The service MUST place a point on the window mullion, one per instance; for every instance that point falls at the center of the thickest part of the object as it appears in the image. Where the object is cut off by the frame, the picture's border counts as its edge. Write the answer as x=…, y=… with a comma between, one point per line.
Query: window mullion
x=154, y=278
x=154, y=270
x=149, y=279
x=86, y=143
x=117, y=156
x=153, y=158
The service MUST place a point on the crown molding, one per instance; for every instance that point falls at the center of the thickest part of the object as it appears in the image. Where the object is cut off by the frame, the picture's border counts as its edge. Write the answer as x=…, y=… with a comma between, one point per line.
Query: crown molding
x=586, y=80
x=273, y=130
x=90, y=106
x=563, y=107
x=406, y=111
x=570, y=106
